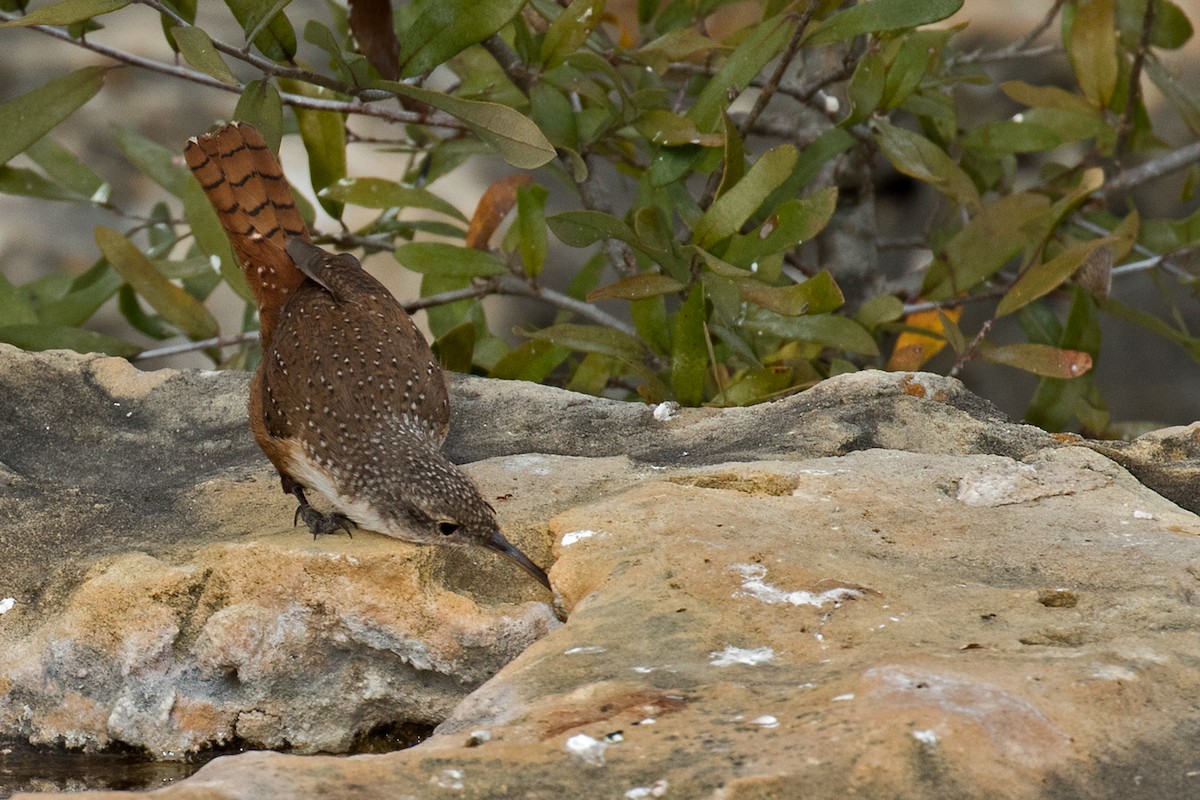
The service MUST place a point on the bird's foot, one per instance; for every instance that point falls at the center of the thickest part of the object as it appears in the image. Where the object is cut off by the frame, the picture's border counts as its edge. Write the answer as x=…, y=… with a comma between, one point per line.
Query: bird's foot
x=323, y=524
x=320, y=523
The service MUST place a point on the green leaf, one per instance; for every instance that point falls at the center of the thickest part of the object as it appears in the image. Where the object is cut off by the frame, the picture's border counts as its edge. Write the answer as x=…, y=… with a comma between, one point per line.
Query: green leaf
x=531, y=223
x=689, y=349
x=917, y=157
x=583, y=228
x=448, y=260
x=27, y=183
x=866, y=88
x=1040, y=359
x=324, y=137
x=68, y=171
x=985, y=244
x=186, y=9
x=760, y=45
x=730, y=211
x=668, y=129
x=1009, y=136
x=157, y=162
x=1186, y=104
x=1046, y=97
x=87, y=293
x=445, y=28
x=591, y=339
x=1041, y=279
x=352, y=68
x=152, y=325
x=510, y=133
x=794, y=222
x=67, y=12
x=382, y=193
x=828, y=330
x=198, y=50
x=879, y=16
x=879, y=309
x=681, y=44
x=456, y=347
x=917, y=52
x=1171, y=28
x=261, y=106
x=817, y=295
x=637, y=287
x=755, y=385
x=264, y=23
x=530, y=361
x=176, y=305
x=1092, y=48
x=211, y=238
x=60, y=337
x=15, y=309
x=25, y=119
x=1152, y=323
x=569, y=30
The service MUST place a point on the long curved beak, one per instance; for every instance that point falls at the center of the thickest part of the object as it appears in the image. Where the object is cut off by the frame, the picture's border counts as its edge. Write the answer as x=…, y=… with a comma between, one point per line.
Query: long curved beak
x=509, y=551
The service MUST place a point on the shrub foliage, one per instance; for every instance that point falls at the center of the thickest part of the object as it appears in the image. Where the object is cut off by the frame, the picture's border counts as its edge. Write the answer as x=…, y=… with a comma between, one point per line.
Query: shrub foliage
x=714, y=162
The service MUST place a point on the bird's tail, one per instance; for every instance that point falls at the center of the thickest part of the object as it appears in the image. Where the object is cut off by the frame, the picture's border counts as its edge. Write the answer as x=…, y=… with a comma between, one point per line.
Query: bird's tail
x=245, y=185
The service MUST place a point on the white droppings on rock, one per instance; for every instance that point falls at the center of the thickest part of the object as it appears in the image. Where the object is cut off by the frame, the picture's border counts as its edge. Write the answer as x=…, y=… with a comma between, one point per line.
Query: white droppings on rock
x=587, y=749
x=6, y=605
x=841, y=698
x=639, y=792
x=666, y=410
x=448, y=779
x=754, y=586
x=750, y=656
x=589, y=648
x=766, y=721
x=1140, y=514
x=926, y=737
x=571, y=538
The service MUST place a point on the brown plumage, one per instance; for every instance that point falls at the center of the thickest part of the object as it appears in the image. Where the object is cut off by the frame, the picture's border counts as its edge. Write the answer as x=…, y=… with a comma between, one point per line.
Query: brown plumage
x=348, y=398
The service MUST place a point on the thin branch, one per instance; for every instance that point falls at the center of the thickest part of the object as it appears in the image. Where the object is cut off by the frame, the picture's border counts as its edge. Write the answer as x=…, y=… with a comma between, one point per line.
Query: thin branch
x=191, y=347
x=785, y=61
x=509, y=62
x=511, y=285
x=1125, y=126
x=1150, y=170
x=268, y=66
x=1021, y=47
x=357, y=106
x=505, y=285
x=1152, y=259
x=124, y=57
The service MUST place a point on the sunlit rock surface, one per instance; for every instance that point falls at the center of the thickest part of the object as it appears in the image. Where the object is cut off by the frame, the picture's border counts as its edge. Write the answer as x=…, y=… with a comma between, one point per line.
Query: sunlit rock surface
x=875, y=588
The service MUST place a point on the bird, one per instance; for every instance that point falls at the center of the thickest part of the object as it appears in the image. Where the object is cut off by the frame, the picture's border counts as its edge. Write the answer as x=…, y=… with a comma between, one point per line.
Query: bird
x=347, y=400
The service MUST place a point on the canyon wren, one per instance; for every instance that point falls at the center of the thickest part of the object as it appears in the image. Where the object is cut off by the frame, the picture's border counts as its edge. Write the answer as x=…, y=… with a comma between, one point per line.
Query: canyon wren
x=348, y=399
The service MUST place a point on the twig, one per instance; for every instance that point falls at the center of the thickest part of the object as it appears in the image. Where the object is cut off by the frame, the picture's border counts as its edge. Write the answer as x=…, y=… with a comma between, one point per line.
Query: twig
x=1021, y=47
x=1125, y=127
x=357, y=106
x=505, y=285
x=1152, y=259
x=785, y=61
x=191, y=347
x=1150, y=170
x=511, y=285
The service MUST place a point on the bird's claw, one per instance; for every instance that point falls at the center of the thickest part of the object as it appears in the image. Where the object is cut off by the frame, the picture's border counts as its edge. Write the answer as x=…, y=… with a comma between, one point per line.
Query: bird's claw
x=322, y=524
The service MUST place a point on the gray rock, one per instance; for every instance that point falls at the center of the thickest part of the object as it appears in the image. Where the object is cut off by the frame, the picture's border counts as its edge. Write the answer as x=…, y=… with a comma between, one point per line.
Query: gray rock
x=879, y=587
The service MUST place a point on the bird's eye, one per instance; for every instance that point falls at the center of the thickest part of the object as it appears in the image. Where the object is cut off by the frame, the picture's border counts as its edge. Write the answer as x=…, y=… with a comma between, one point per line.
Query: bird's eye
x=447, y=528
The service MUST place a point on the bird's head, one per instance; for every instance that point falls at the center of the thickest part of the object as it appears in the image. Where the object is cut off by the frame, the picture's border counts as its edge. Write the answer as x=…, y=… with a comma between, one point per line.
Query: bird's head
x=440, y=505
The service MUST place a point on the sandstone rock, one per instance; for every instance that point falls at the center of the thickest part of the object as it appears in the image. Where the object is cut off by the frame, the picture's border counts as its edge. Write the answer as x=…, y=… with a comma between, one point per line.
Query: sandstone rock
x=162, y=600
x=875, y=588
